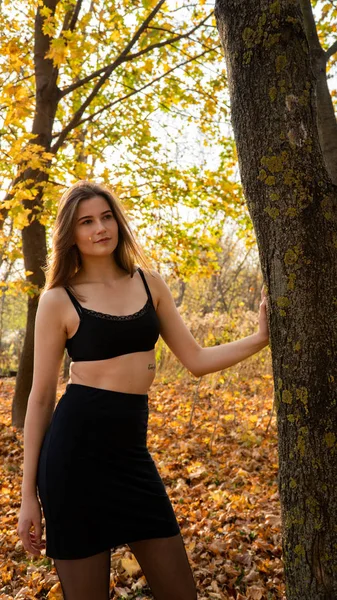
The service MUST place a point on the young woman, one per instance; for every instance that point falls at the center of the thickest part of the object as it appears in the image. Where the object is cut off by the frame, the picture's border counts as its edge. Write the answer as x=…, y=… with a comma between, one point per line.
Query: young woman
x=87, y=460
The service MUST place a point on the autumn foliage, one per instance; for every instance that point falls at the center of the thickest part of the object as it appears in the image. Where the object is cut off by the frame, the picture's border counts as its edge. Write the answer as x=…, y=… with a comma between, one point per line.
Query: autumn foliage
x=216, y=450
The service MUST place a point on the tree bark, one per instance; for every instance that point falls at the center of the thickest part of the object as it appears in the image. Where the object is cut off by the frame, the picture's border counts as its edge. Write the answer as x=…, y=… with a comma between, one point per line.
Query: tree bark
x=293, y=206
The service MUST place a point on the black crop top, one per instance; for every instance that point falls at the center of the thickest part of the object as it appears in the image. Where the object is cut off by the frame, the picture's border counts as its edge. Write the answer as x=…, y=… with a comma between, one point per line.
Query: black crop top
x=100, y=336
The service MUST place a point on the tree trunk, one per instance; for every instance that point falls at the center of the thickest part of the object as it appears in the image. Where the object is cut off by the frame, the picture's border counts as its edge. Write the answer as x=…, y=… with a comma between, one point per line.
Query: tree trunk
x=327, y=124
x=34, y=235
x=293, y=206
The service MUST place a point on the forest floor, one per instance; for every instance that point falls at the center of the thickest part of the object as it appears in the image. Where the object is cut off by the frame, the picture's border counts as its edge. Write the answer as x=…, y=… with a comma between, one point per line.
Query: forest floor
x=216, y=451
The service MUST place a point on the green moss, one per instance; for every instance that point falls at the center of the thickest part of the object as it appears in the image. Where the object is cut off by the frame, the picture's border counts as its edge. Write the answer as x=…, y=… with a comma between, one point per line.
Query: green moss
x=330, y=439
x=304, y=99
x=301, y=441
x=287, y=397
x=313, y=505
x=293, y=517
x=262, y=20
x=290, y=257
x=279, y=383
x=247, y=57
x=291, y=281
x=275, y=8
x=297, y=346
x=302, y=395
x=270, y=180
x=283, y=301
x=275, y=163
x=275, y=196
x=262, y=175
x=280, y=63
x=271, y=39
x=272, y=212
x=291, y=211
x=272, y=94
x=283, y=313
x=277, y=400
x=299, y=550
x=291, y=418
x=289, y=177
x=248, y=37
x=292, y=483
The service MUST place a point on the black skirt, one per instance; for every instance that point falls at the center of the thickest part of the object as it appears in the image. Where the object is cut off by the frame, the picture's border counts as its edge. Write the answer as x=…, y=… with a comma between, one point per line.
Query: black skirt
x=98, y=484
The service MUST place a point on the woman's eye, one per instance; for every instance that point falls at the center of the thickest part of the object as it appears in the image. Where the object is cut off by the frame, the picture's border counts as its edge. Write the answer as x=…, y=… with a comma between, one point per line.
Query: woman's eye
x=86, y=221
x=109, y=216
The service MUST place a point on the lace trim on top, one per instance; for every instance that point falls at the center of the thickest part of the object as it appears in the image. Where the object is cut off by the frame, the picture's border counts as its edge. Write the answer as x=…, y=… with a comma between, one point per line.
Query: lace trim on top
x=101, y=315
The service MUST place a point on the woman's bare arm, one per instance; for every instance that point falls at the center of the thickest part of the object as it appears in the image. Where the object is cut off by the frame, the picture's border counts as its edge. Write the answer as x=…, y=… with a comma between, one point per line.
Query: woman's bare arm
x=50, y=338
x=199, y=361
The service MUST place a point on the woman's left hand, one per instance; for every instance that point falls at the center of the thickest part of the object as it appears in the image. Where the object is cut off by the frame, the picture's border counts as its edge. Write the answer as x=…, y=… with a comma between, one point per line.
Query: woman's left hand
x=263, y=321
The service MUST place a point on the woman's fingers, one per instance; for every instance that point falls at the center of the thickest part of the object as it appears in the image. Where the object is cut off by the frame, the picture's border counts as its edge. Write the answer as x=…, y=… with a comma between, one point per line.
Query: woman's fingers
x=29, y=540
x=27, y=543
x=37, y=530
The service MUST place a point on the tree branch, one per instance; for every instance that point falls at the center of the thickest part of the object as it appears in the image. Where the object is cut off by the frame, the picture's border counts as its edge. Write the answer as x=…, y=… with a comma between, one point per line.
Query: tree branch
x=130, y=57
x=136, y=91
x=170, y=41
x=85, y=80
x=310, y=27
x=71, y=17
x=77, y=116
x=329, y=53
x=44, y=69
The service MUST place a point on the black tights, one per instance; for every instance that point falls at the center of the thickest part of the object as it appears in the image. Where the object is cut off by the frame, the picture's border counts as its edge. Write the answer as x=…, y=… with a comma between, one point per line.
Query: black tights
x=163, y=561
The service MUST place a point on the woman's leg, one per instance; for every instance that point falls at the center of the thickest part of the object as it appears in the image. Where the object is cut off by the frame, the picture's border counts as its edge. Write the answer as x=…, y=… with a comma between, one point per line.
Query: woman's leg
x=85, y=578
x=165, y=565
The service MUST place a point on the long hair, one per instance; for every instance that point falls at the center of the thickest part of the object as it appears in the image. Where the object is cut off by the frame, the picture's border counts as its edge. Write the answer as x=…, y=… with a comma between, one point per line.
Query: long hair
x=65, y=259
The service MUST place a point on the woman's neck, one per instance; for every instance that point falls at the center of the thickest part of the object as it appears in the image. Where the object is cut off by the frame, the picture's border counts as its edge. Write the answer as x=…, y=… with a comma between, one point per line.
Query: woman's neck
x=100, y=270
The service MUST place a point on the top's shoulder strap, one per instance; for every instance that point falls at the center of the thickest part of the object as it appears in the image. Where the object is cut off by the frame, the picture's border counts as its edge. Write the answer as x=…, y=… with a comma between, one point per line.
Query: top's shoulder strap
x=74, y=301
x=145, y=284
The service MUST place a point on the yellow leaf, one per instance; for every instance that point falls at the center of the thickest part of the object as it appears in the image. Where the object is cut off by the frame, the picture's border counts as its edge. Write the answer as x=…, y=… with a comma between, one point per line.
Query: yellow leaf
x=148, y=65
x=55, y=593
x=131, y=566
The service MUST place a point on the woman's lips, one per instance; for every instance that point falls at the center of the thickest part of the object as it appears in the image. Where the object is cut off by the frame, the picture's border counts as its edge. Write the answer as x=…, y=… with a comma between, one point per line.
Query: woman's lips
x=103, y=240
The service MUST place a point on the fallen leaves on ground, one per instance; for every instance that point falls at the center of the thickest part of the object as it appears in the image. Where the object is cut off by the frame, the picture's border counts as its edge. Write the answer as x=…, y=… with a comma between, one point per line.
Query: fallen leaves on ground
x=220, y=470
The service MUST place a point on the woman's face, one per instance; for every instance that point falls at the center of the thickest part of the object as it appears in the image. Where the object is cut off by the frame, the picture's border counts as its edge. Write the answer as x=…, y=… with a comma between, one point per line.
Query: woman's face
x=96, y=229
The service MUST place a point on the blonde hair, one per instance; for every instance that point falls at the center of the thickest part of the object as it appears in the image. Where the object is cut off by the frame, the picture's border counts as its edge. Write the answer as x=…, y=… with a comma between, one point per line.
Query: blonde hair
x=65, y=259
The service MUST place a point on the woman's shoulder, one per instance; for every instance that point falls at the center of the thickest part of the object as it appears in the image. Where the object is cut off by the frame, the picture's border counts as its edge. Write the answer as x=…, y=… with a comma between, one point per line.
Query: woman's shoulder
x=158, y=286
x=153, y=278
x=53, y=297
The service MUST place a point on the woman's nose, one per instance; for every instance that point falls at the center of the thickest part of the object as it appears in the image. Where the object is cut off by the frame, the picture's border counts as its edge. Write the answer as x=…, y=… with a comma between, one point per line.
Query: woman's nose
x=101, y=226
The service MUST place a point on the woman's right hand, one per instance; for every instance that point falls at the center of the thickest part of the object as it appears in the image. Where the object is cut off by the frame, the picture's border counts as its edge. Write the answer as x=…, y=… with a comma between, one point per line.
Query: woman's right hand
x=30, y=516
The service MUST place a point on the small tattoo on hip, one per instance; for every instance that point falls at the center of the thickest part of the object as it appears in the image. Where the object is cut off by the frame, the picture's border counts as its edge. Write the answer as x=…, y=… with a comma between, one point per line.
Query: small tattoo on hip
x=151, y=367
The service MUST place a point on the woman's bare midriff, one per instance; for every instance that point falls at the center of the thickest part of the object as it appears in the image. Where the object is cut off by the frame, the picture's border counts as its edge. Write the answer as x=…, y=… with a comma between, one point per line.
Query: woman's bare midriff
x=130, y=373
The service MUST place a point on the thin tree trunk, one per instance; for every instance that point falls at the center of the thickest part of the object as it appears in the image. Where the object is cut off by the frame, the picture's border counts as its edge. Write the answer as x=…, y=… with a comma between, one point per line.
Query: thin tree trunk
x=293, y=207
x=327, y=123
x=34, y=235
x=48, y=96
